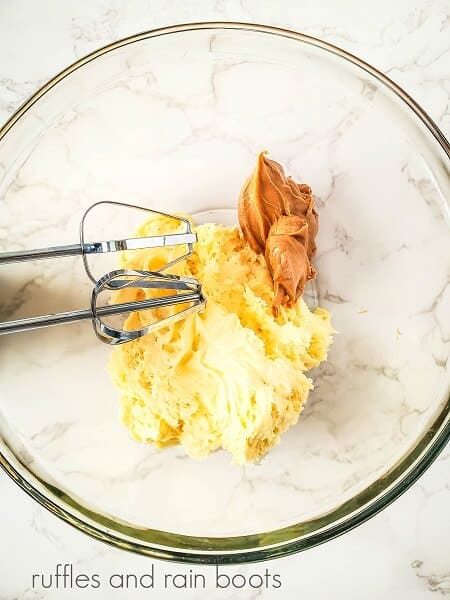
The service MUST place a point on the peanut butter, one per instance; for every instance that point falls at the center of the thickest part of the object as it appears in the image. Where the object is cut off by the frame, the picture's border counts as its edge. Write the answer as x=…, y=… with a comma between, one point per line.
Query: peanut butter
x=277, y=218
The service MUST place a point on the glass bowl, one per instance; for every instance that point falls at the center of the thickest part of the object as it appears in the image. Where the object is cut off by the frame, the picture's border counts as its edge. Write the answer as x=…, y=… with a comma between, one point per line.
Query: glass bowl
x=174, y=119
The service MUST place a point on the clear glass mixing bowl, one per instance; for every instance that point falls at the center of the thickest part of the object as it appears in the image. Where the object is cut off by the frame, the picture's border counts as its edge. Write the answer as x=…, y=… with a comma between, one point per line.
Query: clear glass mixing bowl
x=173, y=119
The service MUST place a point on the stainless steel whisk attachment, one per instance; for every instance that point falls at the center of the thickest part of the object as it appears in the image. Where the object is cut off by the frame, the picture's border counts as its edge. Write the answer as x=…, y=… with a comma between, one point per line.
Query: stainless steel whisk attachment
x=183, y=291
x=188, y=291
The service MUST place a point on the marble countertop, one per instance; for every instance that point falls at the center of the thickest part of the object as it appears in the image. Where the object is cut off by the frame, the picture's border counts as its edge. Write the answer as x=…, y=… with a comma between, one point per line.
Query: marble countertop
x=401, y=553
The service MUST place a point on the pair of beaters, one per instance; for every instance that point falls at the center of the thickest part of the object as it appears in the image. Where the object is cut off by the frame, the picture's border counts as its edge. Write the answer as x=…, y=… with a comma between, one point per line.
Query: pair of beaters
x=174, y=290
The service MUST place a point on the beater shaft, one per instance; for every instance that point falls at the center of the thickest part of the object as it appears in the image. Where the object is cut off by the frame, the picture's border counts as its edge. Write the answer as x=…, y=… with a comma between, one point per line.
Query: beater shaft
x=102, y=311
x=155, y=241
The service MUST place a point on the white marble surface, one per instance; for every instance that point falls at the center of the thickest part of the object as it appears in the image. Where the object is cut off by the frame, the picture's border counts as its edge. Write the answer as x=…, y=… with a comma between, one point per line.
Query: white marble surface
x=400, y=553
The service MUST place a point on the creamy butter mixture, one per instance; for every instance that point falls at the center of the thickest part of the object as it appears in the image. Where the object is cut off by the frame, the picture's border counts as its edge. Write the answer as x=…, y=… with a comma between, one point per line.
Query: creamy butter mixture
x=232, y=377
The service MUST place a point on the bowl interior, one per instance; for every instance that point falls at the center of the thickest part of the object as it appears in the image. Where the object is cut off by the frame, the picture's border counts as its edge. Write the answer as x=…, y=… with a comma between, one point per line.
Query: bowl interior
x=175, y=122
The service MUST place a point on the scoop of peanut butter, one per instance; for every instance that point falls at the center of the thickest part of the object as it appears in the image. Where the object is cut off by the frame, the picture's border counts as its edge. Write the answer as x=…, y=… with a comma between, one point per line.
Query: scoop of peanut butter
x=277, y=218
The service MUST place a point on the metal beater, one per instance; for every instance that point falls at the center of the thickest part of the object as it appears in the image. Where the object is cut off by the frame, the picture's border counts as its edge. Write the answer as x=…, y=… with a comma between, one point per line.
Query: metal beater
x=181, y=290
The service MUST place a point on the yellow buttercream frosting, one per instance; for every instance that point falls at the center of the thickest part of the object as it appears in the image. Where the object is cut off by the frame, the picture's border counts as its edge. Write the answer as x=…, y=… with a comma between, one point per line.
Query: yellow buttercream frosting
x=232, y=377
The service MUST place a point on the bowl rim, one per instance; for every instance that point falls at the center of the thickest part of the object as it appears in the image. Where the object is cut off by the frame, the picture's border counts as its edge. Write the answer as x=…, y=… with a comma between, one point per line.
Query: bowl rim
x=253, y=547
